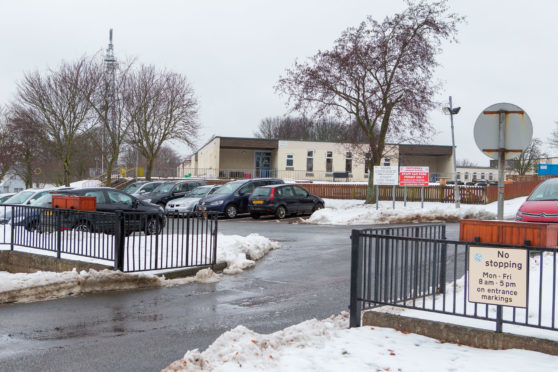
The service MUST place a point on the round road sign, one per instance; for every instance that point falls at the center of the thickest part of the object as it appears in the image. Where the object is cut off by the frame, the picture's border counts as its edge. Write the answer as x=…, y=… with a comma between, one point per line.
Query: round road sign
x=518, y=130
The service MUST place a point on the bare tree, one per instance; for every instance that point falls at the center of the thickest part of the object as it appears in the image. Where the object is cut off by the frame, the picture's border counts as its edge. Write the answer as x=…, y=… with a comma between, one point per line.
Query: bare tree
x=113, y=116
x=7, y=144
x=529, y=158
x=553, y=140
x=379, y=75
x=163, y=107
x=58, y=103
x=466, y=163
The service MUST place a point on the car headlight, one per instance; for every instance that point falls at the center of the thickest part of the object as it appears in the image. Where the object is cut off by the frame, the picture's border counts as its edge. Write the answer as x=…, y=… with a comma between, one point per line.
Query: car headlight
x=216, y=202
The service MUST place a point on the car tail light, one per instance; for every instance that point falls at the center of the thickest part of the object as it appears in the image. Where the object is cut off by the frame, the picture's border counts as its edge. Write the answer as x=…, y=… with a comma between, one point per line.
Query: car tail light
x=272, y=195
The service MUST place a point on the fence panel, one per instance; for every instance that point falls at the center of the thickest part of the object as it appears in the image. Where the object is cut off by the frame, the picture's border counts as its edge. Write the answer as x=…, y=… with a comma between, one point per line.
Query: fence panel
x=400, y=270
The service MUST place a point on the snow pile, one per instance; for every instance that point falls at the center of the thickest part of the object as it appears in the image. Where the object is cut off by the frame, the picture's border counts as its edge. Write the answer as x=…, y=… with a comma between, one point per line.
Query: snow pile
x=328, y=345
x=355, y=212
x=202, y=276
x=86, y=183
x=37, y=286
x=241, y=252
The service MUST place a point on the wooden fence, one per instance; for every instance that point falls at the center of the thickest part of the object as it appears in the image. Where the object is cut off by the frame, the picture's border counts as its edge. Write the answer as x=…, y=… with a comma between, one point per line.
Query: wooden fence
x=442, y=194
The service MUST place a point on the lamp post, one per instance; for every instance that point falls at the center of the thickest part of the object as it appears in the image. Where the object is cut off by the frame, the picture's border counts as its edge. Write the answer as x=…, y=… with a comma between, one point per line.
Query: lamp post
x=454, y=111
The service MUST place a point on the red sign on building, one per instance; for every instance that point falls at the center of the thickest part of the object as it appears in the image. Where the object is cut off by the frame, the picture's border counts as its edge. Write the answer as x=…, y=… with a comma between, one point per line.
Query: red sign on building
x=413, y=176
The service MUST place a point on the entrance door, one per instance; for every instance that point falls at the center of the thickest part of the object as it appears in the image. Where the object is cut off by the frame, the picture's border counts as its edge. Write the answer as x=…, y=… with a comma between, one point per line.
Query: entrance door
x=262, y=164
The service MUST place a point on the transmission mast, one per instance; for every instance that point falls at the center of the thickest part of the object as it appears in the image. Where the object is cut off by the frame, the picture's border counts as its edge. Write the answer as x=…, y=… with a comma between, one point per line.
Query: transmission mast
x=110, y=86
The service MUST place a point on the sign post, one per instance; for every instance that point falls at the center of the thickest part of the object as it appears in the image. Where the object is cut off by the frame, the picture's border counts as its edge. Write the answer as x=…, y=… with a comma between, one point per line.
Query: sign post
x=414, y=176
x=502, y=131
x=385, y=176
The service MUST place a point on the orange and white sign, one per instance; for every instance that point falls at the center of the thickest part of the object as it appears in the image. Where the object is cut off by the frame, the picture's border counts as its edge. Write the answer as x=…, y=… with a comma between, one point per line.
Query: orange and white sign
x=413, y=176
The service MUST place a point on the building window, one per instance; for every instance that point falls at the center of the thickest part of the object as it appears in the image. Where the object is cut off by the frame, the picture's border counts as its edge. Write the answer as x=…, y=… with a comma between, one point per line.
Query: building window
x=387, y=162
x=482, y=176
x=290, y=160
x=458, y=176
x=329, y=161
x=348, y=161
x=367, y=163
x=490, y=176
x=474, y=176
x=466, y=176
x=310, y=161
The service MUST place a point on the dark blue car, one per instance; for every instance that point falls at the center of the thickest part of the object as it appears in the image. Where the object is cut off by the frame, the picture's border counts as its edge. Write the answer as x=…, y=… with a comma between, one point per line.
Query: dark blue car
x=232, y=198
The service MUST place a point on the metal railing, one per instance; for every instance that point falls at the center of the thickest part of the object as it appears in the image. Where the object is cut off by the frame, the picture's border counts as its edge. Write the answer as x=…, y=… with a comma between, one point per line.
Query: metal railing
x=130, y=241
x=408, y=269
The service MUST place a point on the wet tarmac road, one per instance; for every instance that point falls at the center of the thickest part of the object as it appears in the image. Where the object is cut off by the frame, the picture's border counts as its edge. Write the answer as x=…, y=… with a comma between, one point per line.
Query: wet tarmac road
x=145, y=330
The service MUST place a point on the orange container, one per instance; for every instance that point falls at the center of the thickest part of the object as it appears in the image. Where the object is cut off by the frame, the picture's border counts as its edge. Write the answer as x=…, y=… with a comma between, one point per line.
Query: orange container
x=82, y=203
x=509, y=232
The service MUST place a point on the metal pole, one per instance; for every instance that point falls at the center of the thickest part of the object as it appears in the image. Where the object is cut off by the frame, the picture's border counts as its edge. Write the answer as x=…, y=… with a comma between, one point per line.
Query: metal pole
x=393, y=192
x=501, y=162
x=377, y=192
x=457, y=194
x=355, y=283
x=405, y=197
x=422, y=197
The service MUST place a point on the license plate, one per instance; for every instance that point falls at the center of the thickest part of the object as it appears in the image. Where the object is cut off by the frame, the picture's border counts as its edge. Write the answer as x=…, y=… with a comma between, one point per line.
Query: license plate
x=257, y=202
x=48, y=213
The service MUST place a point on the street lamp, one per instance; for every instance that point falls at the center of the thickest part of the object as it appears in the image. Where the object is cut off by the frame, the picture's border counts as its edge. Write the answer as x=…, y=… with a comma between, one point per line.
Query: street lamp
x=453, y=111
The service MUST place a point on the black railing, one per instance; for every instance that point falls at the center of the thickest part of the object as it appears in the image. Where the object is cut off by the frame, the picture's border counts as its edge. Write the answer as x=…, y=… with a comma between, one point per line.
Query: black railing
x=130, y=241
x=408, y=269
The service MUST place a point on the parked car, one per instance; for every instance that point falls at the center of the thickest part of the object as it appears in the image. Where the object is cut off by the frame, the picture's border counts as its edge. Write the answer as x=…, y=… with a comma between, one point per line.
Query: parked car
x=24, y=197
x=470, y=183
x=282, y=200
x=232, y=198
x=146, y=217
x=541, y=205
x=141, y=187
x=481, y=183
x=30, y=217
x=5, y=196
x=189, y=202
x=170, y=190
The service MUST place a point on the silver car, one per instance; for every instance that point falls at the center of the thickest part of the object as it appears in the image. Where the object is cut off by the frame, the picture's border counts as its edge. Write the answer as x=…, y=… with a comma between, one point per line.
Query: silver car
x=189, y=202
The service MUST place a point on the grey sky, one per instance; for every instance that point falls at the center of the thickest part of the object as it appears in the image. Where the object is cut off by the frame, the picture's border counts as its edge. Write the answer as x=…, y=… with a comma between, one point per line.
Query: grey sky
x=233, y=52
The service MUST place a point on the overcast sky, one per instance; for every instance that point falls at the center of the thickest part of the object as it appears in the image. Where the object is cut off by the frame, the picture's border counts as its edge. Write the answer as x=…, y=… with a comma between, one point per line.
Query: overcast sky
x=233, y=52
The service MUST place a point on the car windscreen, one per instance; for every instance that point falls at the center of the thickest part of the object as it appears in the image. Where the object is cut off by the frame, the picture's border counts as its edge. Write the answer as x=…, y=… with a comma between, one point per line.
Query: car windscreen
x=545, y=191
x=199, y=191
x=163, y=188
x=43, y=201
x=262, y=191
x=133, y=187
x=149, y=187
x=229, y=188
x=20, y=197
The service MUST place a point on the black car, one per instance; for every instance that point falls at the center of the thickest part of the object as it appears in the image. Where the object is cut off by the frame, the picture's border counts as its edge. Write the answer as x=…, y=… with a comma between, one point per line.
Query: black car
x=170, y=190
x=139, y=215
x=282, y=200
x=232, y=198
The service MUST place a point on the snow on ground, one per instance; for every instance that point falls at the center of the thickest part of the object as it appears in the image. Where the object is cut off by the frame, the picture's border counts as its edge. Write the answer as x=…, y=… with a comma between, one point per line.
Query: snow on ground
x=238, y=252
x=355, y=212
x=328, y=345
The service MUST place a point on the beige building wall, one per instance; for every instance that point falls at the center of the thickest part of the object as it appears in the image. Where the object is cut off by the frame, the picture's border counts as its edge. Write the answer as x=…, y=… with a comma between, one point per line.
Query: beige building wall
x=468, y=174
x=207, y=163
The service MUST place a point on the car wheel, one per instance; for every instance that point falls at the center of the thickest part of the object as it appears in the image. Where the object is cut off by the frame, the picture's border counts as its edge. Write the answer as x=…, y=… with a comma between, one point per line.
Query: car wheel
x=280, y=212
x=255, y=215
x=83, y=226
x=317, y=206
x=33, y=226
x=153, y=226
x=231, y=211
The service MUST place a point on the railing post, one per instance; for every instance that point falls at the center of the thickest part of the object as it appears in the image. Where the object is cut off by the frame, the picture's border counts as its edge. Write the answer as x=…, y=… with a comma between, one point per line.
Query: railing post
x=11, y=230
x=214, y=233
x=499, y=318
x=356, y=284
x=58, y=225
x=443, y=263
x=119, y=242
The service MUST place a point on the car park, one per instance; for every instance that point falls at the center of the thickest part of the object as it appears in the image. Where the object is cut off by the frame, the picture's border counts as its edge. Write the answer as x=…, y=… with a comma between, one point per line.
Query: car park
x=189, y=202
x=170, y=190
x=232, y=197
x=282, y=200
x=541, y=205
x=141, y=187
x=143, y=216
x=25, y=197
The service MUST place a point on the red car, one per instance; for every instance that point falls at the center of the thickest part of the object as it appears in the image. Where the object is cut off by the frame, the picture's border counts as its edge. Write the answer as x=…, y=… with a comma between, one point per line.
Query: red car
x=541, y=205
